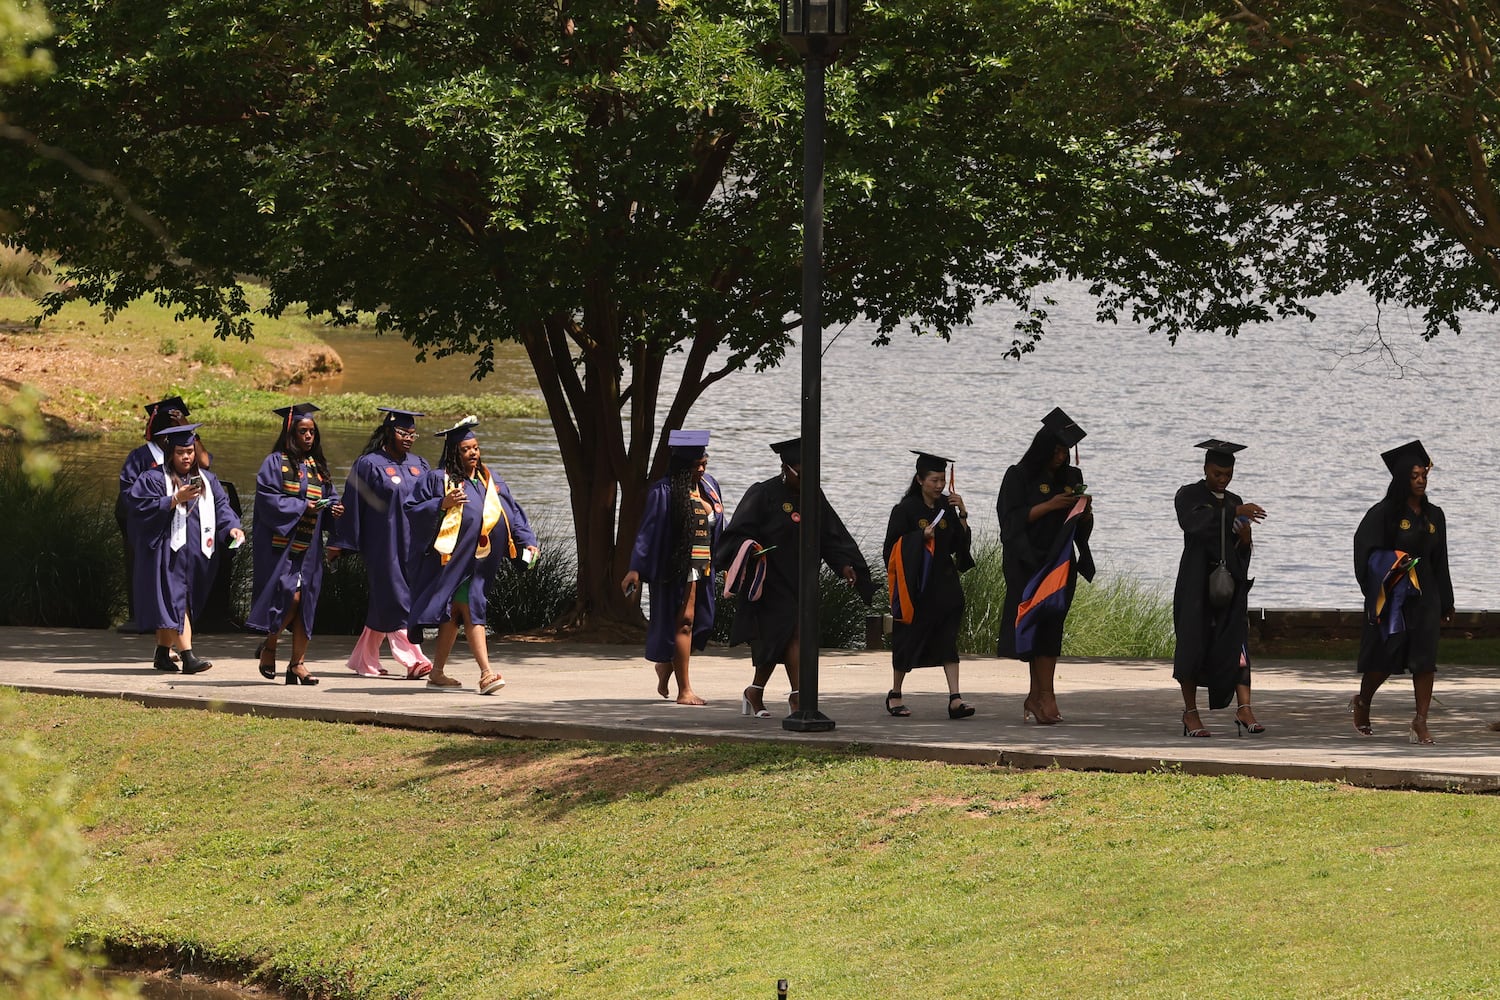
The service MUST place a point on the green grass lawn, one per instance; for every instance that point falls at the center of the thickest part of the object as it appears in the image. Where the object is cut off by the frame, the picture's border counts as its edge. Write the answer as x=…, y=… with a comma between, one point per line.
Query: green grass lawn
x=363, y=862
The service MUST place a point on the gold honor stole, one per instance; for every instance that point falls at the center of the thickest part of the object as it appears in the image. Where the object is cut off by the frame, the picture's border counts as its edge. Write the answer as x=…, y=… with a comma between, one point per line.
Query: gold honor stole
x=494, y=513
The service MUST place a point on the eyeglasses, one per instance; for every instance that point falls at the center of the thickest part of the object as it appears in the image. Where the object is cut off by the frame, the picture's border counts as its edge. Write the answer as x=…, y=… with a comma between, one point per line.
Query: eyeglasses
x=404, y=432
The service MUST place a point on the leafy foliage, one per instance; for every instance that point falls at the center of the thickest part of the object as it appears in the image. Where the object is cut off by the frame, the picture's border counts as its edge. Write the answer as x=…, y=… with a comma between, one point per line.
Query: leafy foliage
x=607, y=183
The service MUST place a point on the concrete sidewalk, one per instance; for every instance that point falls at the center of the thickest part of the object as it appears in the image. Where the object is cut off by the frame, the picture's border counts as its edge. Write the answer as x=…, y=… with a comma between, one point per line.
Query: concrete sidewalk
x=1122, y=715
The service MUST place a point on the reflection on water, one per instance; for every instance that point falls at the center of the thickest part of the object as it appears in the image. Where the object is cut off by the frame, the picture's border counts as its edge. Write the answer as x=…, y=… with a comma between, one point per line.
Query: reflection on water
x=1314, y=412
x=166, y=986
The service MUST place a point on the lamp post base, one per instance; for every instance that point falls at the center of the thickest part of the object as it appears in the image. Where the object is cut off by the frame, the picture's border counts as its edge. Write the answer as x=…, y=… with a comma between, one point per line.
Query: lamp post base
x=807, y=722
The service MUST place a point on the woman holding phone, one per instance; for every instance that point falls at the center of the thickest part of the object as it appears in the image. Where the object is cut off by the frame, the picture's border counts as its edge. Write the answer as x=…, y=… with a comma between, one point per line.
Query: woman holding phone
x=927, y=545
x=294, y=497
x=179, y=519
x=1042, y=525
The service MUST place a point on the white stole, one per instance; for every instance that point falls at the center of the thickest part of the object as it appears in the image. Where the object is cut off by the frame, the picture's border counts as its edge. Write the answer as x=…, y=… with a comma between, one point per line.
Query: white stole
x=206, y=524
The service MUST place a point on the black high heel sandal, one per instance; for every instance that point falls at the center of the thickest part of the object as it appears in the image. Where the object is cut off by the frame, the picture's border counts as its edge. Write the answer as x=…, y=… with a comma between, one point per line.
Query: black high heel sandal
x=292, y=677
x=962, y=711
x=1241, y=727
x=1201, y=732
x=267, y=670
x=900, y=711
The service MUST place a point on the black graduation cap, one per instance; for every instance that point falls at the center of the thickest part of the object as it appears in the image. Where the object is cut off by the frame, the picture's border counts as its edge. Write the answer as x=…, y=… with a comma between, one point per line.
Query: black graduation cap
x=168, y=405
x=178, y=437
x=296, y=410
x=460, y=431
x=400, y=418
x=1401, y=459
x=931, y=463
x=789, y=450
x=1220, y=452
x=1063, y=428
x=686, y=443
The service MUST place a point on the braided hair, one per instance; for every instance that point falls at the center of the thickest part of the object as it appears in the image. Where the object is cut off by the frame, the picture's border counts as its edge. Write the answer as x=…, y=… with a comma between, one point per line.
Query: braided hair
x=453, y=465
x=680, y=513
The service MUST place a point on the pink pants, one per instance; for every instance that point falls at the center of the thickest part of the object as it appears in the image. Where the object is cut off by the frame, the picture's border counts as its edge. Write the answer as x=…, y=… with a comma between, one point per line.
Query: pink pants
x=365, y=660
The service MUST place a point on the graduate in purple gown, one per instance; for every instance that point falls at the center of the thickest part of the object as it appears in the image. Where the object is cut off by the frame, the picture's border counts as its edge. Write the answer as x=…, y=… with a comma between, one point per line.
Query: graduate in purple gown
x=179, y=519
x=464, y=525
x=294, y=501
x=374, y=525
x=164, y=413
x=674, y=548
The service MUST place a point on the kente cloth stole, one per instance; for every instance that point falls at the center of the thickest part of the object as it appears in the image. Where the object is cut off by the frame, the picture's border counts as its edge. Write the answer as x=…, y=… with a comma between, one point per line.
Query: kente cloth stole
x=206, y=527
x=701, y=551
x=309, y=488
x=494, y=513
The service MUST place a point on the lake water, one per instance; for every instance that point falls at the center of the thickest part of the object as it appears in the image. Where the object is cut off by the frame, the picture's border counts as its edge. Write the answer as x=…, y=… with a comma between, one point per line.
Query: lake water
x=1314, y=403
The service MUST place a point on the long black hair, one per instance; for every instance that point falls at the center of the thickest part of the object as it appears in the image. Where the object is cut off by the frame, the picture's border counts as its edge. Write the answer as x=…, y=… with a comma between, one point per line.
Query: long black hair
x=284, y=445
x=453, y=465
x=383, y=439
x=1039, y=454
x=1396, y=495
x=680, y=512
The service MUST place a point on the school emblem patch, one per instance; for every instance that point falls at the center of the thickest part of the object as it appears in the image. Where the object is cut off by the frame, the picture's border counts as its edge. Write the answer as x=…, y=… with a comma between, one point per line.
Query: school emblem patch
x=786, y=508
x=1405, y=525
x=1045, y=489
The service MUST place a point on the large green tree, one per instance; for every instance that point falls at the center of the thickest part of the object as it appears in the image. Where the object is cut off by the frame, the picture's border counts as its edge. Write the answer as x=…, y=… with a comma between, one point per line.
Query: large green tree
x=1358, y=140
x=605, y=182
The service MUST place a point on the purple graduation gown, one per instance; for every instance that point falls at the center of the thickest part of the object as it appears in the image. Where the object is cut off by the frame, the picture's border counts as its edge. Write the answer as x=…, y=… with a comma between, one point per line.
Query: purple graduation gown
x=167, y=584
x=433, y=583
x=375, y=525
x=277, y=569
x=649, y=558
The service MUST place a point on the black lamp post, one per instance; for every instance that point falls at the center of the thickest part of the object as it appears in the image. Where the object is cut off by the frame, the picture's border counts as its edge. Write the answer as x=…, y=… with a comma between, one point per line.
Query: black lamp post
x=816, y=29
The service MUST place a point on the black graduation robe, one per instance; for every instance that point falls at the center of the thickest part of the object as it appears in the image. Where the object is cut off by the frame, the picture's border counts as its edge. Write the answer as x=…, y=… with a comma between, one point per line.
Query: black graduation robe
x=1026, y=546
x=770, y=515
x=1210, y=642
x=1423, y=535
x=931, y=638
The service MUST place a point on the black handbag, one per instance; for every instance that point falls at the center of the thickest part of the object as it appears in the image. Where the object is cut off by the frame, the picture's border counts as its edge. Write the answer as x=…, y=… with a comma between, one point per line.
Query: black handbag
x=1220, y=580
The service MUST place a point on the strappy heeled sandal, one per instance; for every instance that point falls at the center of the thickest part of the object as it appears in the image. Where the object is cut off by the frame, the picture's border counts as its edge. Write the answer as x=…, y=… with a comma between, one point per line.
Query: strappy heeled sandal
x=899, y=711
x=1412, y=736
x=963, y=711
x=1356, y=704
x=1242, y=727
x=1201, y=732
x=746, y=708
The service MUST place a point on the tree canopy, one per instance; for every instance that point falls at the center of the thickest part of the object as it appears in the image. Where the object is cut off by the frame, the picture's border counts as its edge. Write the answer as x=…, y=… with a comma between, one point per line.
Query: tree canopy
x=610, y=182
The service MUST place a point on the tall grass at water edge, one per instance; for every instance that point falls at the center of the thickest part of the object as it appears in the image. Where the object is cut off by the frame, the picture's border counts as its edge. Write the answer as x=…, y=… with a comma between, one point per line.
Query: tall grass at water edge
x=66, y=571
x=1115, y=616
x=63, y=565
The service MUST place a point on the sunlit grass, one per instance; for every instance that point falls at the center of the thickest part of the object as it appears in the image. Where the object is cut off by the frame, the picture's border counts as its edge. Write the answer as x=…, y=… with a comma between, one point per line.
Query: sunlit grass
x=370, y=863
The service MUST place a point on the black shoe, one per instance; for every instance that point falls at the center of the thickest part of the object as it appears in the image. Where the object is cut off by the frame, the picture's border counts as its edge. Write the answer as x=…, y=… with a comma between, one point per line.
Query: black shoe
x=267, y=670
x=163, y=660
x=962, y=711
x=292, y=677
x=192, y=663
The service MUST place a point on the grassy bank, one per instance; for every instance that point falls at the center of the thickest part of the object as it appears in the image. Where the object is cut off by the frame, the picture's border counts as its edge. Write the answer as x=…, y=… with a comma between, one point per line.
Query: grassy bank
x=95, y=375
x=365, y=863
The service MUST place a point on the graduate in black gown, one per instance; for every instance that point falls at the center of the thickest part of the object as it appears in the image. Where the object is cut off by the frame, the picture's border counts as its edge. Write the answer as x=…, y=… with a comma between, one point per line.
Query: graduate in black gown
x=674, y=547
x=1401, y=563
x=927, y=545
x=1043, y=528
x=760, y=549
x=1209, y=617
x=180, y=522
